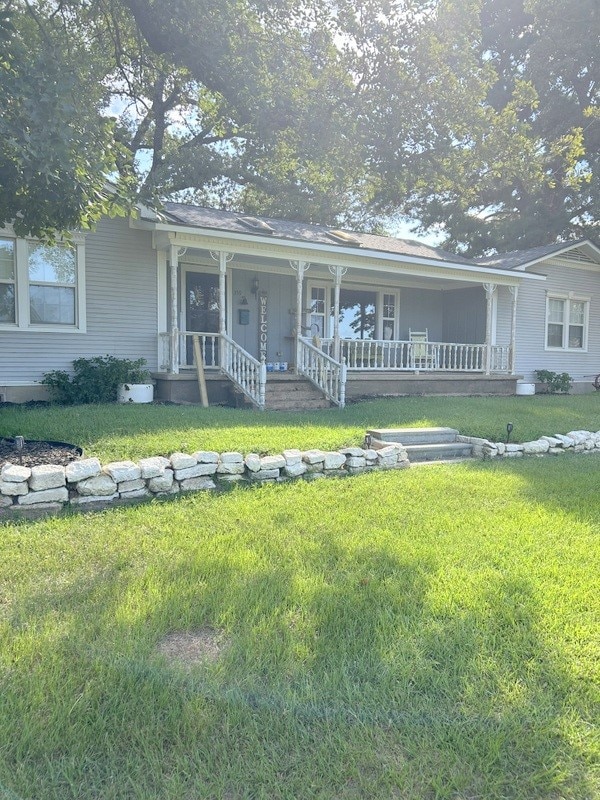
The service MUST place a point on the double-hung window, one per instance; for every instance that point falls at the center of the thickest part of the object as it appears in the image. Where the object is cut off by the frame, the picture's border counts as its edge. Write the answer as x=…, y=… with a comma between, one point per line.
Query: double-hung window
x=42, y=286
x=7, y=281
x=567, y=322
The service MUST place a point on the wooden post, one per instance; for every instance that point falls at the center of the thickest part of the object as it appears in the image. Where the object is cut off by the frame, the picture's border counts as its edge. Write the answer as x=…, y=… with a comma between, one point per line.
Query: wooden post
x=223, y=258
x=338, y=273
x=299, y=267
x=200, y=371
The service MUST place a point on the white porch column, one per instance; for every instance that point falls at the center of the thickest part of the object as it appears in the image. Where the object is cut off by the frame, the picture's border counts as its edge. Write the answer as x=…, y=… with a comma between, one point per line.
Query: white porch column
x=514, y=291
x=173, y=286
x=490, y=289
x=223, y=258
x=299, y=267
x=338, y=273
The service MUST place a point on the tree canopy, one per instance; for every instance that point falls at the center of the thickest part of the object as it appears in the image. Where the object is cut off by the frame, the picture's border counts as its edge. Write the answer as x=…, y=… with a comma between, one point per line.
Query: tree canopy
x=478, y=118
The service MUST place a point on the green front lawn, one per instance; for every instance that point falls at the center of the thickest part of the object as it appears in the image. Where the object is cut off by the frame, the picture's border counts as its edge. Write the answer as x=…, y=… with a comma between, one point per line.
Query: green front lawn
x=114, y=432
x=431, y=633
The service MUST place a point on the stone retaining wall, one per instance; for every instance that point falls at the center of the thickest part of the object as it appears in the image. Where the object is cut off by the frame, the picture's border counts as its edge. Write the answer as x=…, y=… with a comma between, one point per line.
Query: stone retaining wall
x=574, y=441
x=87, y=482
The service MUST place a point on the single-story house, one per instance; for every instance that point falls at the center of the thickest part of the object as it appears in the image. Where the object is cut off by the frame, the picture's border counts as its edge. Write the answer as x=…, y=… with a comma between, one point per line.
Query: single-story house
x=291, y=308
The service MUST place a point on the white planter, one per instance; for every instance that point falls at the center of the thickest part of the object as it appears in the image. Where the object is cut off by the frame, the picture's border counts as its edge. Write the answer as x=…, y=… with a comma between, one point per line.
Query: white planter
x=525, y=388
x=135, y=393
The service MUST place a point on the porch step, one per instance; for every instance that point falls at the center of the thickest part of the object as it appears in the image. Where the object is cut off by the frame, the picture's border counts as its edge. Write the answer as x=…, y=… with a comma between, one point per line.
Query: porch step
x=288, y=392
x=414, y=435
x=423, y=444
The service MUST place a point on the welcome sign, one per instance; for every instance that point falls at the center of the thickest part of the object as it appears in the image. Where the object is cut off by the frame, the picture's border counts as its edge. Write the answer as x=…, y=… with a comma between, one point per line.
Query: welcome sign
x=262, y=326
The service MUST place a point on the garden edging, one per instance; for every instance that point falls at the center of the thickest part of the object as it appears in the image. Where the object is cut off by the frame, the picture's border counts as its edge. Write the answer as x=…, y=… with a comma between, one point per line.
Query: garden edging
x=87, y=482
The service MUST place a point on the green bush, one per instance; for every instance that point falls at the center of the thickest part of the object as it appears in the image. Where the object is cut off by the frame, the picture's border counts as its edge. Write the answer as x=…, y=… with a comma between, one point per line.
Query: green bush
x=554, y=381
x=94, y=380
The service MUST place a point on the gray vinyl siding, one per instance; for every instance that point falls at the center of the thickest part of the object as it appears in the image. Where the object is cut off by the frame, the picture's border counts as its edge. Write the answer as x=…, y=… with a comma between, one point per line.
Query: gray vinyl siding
x=531, y=323
x=464, y=315
x=121, y=308
x=421, y=309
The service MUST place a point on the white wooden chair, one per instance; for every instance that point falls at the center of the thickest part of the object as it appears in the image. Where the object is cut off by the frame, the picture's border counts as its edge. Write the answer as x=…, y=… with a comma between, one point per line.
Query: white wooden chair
x=421, y=354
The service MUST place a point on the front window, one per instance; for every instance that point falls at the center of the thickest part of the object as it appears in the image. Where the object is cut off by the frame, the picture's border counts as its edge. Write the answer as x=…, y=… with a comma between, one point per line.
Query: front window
x=52, y=284
x=566, y=323
x=7, y=281
x=357, y=314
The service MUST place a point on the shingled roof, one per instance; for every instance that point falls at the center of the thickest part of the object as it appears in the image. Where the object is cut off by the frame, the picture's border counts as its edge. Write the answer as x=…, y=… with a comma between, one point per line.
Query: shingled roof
x=199, y=217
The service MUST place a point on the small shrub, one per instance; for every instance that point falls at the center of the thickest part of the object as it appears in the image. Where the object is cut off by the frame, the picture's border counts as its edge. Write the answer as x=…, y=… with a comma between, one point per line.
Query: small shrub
x=554, y=381
x=94, y=380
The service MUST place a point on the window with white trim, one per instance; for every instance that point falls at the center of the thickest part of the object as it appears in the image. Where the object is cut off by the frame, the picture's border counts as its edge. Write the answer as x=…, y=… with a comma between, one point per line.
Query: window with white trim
x=566, y=322
x=42, y=286
x=7, y=281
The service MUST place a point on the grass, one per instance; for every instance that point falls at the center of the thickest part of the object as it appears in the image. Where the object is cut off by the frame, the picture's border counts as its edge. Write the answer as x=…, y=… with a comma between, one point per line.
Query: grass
x=423, y=634
x=114, y=432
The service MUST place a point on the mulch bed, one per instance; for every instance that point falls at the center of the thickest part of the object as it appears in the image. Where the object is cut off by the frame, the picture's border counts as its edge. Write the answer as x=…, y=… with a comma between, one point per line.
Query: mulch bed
x=35, y=453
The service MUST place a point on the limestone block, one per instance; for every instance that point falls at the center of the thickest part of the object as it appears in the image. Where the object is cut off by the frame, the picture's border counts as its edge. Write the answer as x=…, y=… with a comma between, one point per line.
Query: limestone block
x=538, y=446
x=578, y=448
x=335, y=460
x=359, y=470
x=314, y=476
x=5, y=501
x=355, y=452
x=294, y=470
x=232, y=458
x=206, y=457
x=55, y=495
x=196, y=484
x=47, y=476
x=490, y=451
x=197, y=471
x=252, y=462
x=121, y=471
x=13, y=489
x=135, y=494
x=264, y=475
x=153, y=467
x=500, y=447
x=15, y=473
x=93, y=498
x=313, y=456
x=556, y=451
x=357, y=462
x=513, y=453
x=389, y=451
x=182, y=460
x=292, y=457
x=80, y=470
x=552, y=441
x=101, y=486
x=131, y=486
x=239, y=478
x=318, y=467
x=514, y=448
x=387, y=463
x=162, y=483
x=371, y=455
x=230, y=468
x=272, y=462
x=589, y=444
x=566, y=441
x=578, y=437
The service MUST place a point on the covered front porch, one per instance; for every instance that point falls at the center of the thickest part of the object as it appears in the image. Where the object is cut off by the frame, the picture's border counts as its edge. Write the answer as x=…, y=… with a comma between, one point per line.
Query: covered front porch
x=358, y=328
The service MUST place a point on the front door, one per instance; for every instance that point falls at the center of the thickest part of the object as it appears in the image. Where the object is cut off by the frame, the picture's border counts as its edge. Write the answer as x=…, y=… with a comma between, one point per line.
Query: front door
x=202, y=314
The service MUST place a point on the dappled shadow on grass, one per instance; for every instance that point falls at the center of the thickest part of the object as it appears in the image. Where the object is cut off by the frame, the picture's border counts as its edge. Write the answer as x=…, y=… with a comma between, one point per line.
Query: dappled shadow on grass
x=355, y=668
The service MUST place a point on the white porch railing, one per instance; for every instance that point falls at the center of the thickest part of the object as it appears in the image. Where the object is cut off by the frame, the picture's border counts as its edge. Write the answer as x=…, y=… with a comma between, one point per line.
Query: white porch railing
x=209, y=347
x=325, y=372
x=248, y=374
x=385, y=355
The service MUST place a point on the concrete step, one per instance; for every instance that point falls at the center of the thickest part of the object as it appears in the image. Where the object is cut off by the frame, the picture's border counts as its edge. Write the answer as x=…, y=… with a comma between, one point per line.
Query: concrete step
x=437, y=452
x=407, y=436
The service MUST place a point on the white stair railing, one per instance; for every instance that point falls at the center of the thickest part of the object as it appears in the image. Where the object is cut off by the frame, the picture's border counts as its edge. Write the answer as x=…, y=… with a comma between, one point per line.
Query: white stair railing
x=246, y=372
x=323, y=371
